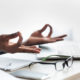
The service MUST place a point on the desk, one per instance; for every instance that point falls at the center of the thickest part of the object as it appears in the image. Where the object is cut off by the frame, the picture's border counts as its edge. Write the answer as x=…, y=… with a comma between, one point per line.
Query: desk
x=56, y=75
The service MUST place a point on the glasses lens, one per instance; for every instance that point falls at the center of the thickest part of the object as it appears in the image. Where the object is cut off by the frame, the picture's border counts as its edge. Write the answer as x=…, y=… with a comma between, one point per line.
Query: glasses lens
x=59, y=65
x=70, y=61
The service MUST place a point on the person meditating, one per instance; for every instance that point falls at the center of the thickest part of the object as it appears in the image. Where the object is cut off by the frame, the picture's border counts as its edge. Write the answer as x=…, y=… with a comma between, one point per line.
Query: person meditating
x=36, y=38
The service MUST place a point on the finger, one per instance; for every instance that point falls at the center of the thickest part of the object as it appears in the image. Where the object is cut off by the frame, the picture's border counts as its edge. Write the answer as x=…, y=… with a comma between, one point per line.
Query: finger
x=16, y=45
x=53, y=40
x=62, y=36
x=29, y=50
x=51, y=31
x=20, y=39
x=38, y=49
x=56, y=38
x=22, y=49
x=35, y=48
x=59, y=39
x=14, y=35
x=32, y=46
x=43, y=29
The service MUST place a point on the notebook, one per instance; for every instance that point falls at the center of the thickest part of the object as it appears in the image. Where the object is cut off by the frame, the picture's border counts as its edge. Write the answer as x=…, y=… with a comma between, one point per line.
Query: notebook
x=10, y=64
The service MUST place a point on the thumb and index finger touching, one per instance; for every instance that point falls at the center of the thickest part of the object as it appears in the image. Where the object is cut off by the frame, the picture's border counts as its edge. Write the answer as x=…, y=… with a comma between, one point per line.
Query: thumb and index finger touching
x=14, y=35
x=45, y=27
x=50, y=31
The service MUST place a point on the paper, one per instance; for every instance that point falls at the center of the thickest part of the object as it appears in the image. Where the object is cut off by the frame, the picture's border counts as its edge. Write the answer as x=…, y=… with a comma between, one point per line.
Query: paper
x=47, y=51
x=26, y=74
x=9, y=64
x=6, y=76
x=22, y=56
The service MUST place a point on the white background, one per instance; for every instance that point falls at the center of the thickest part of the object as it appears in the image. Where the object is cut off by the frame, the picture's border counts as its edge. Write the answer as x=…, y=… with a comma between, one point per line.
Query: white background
x=29, y=15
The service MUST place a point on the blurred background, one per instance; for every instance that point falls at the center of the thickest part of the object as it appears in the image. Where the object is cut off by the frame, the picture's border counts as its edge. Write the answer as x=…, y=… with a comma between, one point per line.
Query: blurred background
x=28, y=16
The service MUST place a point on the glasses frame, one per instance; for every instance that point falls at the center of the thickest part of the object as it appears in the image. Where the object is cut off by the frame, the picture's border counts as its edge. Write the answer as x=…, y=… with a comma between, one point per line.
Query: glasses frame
x=65, y=63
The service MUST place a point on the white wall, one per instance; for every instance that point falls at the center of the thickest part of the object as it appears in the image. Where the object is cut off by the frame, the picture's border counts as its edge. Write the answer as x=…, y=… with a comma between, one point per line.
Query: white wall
x=30, y=15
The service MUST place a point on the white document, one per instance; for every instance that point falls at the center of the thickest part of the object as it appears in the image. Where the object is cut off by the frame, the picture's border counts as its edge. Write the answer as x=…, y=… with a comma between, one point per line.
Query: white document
x=31, y=75
x=6, y=76
x=22, y=56
x=60, y=48
x=47, y=51
x=9, y=64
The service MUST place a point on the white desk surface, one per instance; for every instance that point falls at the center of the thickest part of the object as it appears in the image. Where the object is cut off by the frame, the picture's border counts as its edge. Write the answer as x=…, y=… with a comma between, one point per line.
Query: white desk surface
x=57, y=75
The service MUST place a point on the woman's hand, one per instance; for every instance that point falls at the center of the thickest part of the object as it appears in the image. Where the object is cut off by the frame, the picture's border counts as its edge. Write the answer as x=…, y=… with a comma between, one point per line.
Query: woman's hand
x=37, y=37
x=7, y=46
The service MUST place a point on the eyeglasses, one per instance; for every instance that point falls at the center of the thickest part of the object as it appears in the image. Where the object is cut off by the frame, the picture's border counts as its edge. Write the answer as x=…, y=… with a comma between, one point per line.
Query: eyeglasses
x=59, y=65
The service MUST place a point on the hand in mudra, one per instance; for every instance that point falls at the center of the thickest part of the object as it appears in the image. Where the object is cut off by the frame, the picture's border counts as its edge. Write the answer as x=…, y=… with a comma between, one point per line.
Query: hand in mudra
x=7, y=46
x=37, y=37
